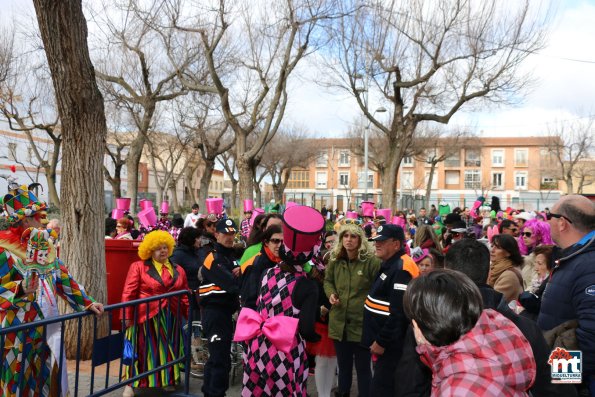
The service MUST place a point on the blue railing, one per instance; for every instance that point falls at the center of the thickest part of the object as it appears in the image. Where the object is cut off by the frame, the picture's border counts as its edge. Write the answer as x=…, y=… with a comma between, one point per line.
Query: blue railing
x=110, y=347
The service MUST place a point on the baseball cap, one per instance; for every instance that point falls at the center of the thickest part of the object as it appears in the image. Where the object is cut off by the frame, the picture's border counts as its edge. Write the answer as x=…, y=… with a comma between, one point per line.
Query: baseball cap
x=226, y=226
x=385, y=232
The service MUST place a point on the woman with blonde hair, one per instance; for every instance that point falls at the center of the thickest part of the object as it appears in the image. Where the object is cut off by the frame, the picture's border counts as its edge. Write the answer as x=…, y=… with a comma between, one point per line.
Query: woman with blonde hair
x=155, y=332
x=351, y=270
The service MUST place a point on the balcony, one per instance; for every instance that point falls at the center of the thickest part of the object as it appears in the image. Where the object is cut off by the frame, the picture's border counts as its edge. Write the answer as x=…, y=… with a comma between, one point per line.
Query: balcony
x=472, y=163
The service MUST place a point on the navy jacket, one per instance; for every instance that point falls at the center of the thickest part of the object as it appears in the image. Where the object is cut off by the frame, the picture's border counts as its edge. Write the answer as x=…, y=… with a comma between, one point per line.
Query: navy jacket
x=187, y=257
x=384, y=319
x=219, y=288
x=570, y=295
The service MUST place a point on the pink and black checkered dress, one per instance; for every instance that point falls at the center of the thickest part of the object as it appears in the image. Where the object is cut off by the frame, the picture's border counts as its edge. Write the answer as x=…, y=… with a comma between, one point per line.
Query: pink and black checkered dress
x=267, y=371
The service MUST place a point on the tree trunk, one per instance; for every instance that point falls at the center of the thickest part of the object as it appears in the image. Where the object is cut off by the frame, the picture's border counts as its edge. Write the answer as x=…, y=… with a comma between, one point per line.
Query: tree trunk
x=173, y=188
x=246, y=179
x=132, y=163
x=205, y=180
x=569, y=185
x=80, y=105
x=234, y=193
x=53, y=196
x=389, y=180
x=429, y=184
x=278, y=193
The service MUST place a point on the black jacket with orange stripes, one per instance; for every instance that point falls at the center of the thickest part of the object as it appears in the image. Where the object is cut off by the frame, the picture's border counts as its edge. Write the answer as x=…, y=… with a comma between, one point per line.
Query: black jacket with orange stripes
x=219, y=288
x=384, y=319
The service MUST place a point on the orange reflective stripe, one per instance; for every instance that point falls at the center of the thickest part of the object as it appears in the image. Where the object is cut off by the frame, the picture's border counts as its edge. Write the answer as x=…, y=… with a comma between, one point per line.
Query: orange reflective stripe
x=208, y=289
x=377, y=306
x=209, y=261
x=249, y=262
x=410, y=266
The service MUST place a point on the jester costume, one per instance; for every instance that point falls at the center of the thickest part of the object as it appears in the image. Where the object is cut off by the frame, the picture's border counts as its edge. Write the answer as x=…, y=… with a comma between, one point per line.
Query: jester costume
x=30, y=358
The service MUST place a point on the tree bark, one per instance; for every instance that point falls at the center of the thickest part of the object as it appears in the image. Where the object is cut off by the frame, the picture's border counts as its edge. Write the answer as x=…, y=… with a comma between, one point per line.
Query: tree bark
x=132, y=163
x=205, y=180
x=245, y=177
x=64, y=33
x=433, y=165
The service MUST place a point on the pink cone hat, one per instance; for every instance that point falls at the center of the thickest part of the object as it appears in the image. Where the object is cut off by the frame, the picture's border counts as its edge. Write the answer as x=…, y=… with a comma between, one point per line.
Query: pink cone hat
x=302, y=226
x=351, y=215
x=255, y=213
x=368, y=208
x=117, y=213
x=164, y=208
x=144, y=204
x=123, y=203
x=386, y=213
x=148, y=217
x=248, y=205
x=399, y=221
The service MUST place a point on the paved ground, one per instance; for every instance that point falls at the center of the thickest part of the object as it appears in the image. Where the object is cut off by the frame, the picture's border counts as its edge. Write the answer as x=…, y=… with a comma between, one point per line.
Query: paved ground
x=85, y=377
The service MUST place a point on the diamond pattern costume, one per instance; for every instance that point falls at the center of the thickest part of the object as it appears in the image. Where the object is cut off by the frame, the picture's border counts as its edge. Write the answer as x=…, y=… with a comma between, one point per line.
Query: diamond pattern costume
x=268, y=371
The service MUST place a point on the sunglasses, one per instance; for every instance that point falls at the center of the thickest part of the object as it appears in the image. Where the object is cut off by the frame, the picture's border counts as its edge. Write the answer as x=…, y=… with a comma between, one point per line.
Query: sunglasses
x=276, y=241
x=352, y=221
x=552, y=215
x=527, y=234
x=514, y=230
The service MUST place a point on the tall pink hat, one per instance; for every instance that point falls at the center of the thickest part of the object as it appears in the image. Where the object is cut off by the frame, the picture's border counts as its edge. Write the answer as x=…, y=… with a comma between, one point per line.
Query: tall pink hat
x=117, y=213
x=302, y=228
x=290, y=204
x=248, y=205
x=399, y=221
x=123, y=203
x=255, y=213
x=147, y=217
x=386, y=213
x=351, y=215
x=214, y=206
x=144, y=204
x=164, y=208
x=368, y=208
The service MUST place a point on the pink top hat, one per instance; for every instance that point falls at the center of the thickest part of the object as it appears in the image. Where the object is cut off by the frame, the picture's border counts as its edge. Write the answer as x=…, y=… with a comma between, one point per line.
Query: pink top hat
x=302, y=226
x=164, y=208
x=144, y=204
x=386, y=213
x=117, y=213
x=148, y=217
x=368, y=208
x=290, y=204
x=214, y=206
x=123, y=203
x=399, y=221
x=248, y=205
x=351, y=215
x=255, y=213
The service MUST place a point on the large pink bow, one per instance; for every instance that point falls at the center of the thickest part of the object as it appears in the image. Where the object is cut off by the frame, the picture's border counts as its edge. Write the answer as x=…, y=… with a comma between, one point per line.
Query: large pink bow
x=280, y=330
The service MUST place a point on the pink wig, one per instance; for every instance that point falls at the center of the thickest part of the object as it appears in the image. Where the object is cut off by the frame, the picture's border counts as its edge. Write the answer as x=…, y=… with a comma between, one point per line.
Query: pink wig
x=541, y=231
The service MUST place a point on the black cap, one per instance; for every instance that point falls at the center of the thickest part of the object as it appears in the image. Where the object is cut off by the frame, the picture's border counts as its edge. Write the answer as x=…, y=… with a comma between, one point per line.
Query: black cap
x=226, y=226
x=385, y=232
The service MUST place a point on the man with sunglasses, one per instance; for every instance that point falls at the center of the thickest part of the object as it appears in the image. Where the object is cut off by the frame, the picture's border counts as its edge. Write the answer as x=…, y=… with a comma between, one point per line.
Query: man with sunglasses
x=509, y=227
x=570, y=292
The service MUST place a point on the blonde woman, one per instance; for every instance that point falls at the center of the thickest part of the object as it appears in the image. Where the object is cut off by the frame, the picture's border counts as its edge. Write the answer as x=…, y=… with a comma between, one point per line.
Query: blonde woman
x=351, y=270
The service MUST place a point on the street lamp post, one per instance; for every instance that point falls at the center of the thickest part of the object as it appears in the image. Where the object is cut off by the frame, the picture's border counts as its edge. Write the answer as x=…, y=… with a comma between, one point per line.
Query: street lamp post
x=366, y=133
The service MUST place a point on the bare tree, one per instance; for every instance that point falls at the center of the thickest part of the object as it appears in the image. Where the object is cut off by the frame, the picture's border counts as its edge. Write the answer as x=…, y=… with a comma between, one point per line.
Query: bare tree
x=434, y=145
x=135, y=73
x=28, y=103
x=210, y=133
x=287, y=150
x=570, y=144
x=64, y=33
x=269, y=39
x=427, y=60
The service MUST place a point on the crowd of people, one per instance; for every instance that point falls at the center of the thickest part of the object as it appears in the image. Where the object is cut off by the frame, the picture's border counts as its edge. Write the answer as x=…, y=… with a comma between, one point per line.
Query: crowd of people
x=468, y=301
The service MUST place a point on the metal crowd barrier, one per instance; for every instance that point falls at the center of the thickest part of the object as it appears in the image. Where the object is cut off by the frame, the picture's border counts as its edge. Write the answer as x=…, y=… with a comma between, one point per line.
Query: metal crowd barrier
x=109, y=348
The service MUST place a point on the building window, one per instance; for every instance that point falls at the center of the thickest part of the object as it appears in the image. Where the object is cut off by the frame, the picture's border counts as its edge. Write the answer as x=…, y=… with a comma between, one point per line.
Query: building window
x=521, y=157
x=472, y=179
x=360, y=180
x=12, y=151
x=407, y=182
x=548, y=183
x=321, y=179
x=497, y=180
x=452, y=178
x=454, y=160
x=520, y=180
x=322, y=159
x=407, y=161
x=344, y=158
x=497, y=157
x=434, y=180
x=299, y=179
x=343, y=178
x=472, y=158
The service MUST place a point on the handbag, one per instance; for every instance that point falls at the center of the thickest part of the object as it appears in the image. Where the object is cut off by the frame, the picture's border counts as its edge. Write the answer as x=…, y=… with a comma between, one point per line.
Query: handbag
x=128, y=354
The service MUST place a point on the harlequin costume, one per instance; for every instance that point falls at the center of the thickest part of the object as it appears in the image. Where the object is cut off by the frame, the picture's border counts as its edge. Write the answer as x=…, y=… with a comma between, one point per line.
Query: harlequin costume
x=30, y=363
x=155, y=334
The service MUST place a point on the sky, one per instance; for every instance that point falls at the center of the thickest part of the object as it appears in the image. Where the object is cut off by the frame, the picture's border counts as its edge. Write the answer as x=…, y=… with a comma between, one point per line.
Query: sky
x=565, y=89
